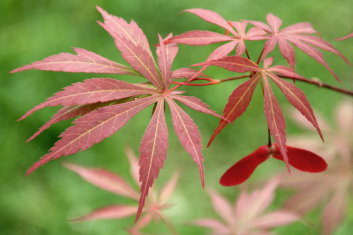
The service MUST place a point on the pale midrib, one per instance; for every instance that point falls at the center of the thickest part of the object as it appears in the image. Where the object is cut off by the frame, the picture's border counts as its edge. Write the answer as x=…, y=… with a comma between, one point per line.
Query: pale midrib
x=96, y=92
x=181, y=120
x=241, y=65
x=241, y=99
x=270, y=94
x=152, y=153
x=143, y=64
x=100, y=124
x=117, y=66
x=296, y=97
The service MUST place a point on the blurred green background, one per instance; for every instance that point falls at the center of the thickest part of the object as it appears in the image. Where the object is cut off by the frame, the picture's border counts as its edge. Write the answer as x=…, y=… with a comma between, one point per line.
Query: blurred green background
x=31, y=30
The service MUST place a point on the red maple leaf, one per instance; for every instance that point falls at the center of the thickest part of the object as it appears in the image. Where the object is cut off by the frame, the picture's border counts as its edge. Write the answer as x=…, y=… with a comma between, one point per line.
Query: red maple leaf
x=106, y=105
x=240, y=98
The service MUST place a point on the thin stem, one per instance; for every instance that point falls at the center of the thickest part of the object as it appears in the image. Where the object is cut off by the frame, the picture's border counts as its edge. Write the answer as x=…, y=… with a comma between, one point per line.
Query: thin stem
x=247, y=54
x=269, y=142
x=197, y=84
x=234, y=78
x=169, y=224
x=321, y=84
x=260, y=56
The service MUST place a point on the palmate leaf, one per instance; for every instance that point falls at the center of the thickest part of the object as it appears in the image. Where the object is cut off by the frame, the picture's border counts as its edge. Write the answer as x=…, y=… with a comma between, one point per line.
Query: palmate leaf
x=247, y=215
x=298, y=35
x=109, y=181
x=106, y=105
x=235, y=41
x=240, y=98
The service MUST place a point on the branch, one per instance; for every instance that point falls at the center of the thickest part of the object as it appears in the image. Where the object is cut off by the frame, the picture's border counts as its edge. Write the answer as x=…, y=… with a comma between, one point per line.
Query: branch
x=318, y=83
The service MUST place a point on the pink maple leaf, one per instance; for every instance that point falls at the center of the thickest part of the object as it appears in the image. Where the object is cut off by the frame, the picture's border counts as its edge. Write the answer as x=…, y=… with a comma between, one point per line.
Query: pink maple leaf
x=331, y=189
x=248, y=215
x=106, y=180
x=106, y=105
x=300, y=35
x=235, y=36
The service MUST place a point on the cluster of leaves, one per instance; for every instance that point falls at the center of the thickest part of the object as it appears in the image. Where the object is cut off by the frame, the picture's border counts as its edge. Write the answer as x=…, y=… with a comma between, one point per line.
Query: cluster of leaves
x=105, y=105
x=246, y=217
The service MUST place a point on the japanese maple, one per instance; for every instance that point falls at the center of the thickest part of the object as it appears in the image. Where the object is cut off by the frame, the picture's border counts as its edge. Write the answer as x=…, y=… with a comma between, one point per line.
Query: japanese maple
x=248, y=215
x=102, y=106
x=106, y=105
x=106, y=180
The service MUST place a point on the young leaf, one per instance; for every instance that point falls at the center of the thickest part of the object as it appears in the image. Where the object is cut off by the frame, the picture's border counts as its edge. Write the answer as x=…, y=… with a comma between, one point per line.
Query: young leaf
x=84, y=62
x=153, y=152
x=188, y=134
x=237, y=104
x=92, y=91
x=275, y=119
x=93, y=128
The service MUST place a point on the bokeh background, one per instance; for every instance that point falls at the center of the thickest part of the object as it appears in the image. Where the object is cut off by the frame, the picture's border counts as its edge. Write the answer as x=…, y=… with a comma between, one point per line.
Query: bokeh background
x=43, y=202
